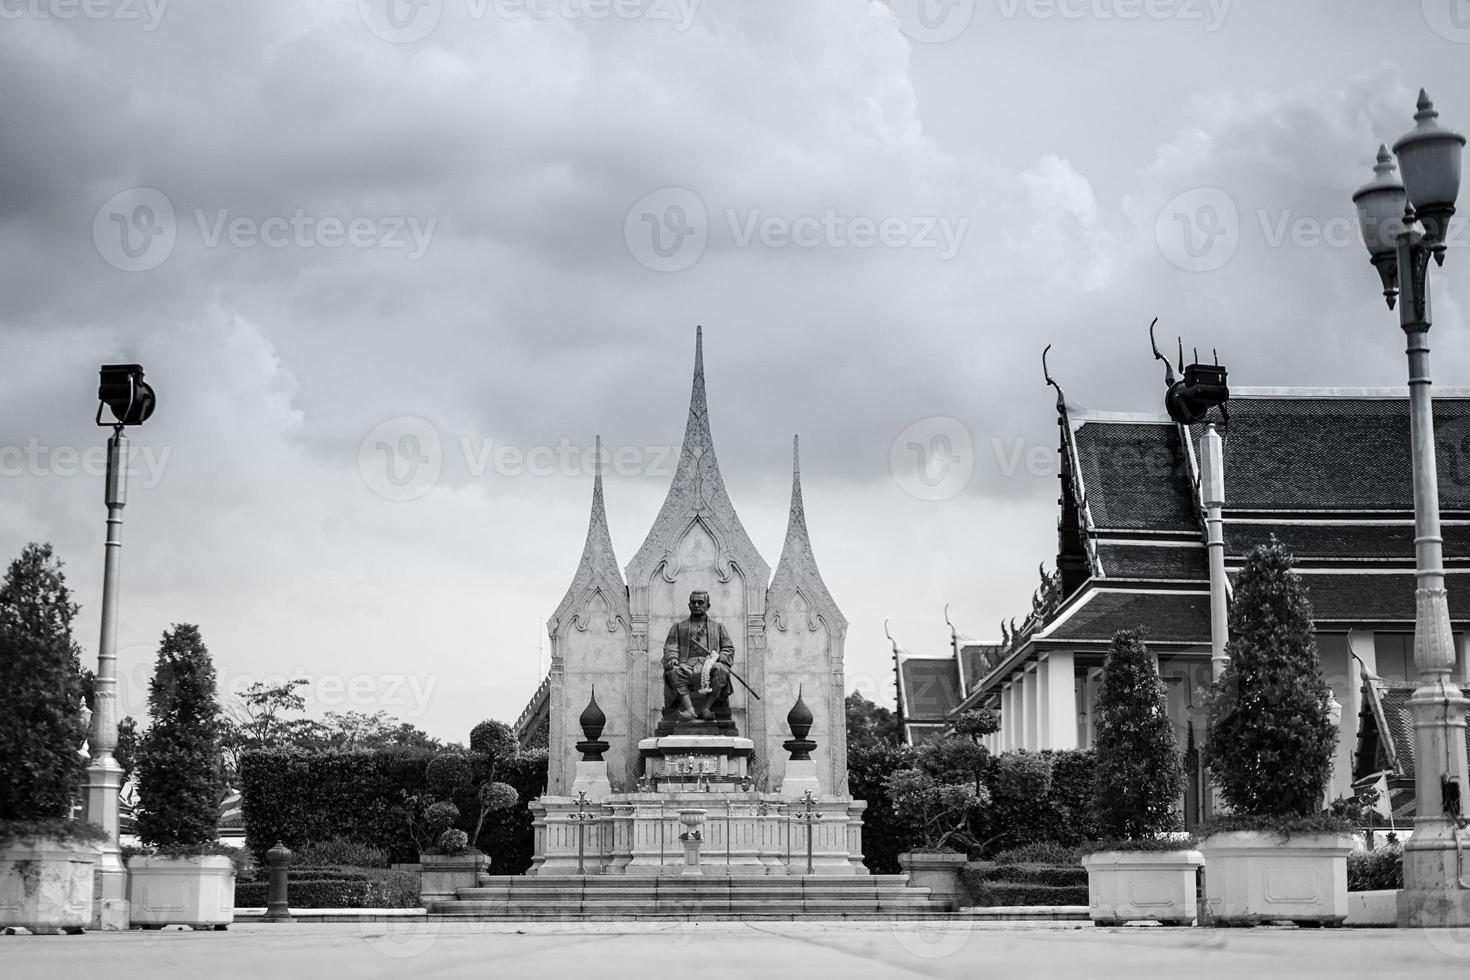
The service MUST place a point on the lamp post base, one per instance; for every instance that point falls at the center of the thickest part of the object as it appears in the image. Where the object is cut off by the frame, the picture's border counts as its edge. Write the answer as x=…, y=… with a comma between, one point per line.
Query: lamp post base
x=110, y=909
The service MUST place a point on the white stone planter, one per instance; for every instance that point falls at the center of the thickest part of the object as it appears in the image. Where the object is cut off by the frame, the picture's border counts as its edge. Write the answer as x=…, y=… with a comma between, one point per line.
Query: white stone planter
x=46, y=885
x=1126, y=885
x=185, y=891
x=441, y=876
x=939, y=871
x=1255, y=877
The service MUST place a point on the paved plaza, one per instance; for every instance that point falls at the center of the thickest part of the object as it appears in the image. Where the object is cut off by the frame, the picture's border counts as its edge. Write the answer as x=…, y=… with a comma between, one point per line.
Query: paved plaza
x=800, y=950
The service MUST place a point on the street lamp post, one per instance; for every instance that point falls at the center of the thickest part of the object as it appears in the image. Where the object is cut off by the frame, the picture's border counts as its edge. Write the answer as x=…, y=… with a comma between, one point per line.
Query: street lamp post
x=123, y=391
x=1404, y=225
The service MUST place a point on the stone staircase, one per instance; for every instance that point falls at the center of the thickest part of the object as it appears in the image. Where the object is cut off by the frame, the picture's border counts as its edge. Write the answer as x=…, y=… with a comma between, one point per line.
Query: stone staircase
x=672, y=897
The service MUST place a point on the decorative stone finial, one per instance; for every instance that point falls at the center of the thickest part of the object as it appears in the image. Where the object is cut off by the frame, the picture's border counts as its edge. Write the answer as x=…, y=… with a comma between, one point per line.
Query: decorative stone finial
x=800, y=719
x=593, y=721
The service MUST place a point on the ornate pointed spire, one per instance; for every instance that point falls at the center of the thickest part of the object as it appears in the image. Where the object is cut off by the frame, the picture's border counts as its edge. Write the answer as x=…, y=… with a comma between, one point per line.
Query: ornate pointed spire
x=796, y=570
x=598, y=570
x=697, y=491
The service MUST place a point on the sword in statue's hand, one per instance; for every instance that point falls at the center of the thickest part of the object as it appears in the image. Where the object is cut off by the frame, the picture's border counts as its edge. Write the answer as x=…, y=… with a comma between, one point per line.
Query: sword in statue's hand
x=728, y=669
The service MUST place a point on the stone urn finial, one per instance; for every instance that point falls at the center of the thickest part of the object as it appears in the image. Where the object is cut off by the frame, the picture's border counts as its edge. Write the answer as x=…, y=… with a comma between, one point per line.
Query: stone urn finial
x=593, y=721
x=800, y=720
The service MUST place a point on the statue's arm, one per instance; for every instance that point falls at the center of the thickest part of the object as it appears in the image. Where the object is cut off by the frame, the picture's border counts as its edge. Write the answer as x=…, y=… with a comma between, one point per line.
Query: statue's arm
x=727, y=648
x=671, y=647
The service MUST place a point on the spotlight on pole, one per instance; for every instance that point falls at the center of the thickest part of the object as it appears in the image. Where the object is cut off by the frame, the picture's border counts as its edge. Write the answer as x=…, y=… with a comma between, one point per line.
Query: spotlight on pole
x=123, y=391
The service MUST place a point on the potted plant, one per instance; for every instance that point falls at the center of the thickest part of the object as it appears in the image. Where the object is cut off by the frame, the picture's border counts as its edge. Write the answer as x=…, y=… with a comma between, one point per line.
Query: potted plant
x=447, y=859
x=47, y=860
x=1140, y=870
x=939, y=813
x=1276, y=855
x=187, y=877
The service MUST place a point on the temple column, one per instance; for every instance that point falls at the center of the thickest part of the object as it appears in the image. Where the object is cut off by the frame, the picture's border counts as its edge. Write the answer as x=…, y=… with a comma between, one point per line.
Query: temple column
x=1060, y=689
x=1031, y=690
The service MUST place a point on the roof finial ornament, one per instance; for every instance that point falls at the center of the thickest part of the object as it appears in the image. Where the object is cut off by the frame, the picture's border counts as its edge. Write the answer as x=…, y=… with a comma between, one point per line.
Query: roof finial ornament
x=1168, y=368
x=1046, y=373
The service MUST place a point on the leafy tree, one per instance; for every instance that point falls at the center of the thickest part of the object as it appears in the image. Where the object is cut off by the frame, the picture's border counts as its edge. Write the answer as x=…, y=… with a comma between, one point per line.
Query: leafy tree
x=886, y=833
x=180, y=780
x=126, y=750
x=357, y=730
x=868, y=723
x=1270, y=739
x=41, y=690
x=1139, y=776
x=258, y=720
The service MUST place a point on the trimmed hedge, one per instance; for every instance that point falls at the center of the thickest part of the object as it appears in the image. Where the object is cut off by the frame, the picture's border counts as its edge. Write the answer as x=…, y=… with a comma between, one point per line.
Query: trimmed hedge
x=1027, y=874
x=1062, y=814
x=299, y=796
x=372, y=888
x=1375, y=870
x=989, y=894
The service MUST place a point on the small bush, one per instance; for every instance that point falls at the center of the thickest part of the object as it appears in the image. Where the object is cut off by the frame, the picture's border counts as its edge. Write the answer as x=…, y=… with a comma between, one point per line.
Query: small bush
x=989, y=894
x=340, y=851
x=1375, y=870
x=494, y=739
x=67, y=831
x=1053, y=875
x=1041, y=852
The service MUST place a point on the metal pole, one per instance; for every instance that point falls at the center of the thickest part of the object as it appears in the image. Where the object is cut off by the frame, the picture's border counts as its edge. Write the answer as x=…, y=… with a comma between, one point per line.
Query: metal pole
x=1212, y=487
x=104, y=775
x=1431, y=857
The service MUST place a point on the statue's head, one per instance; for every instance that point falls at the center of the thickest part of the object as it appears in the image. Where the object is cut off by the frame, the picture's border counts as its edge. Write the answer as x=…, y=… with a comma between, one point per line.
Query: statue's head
x=699, y=602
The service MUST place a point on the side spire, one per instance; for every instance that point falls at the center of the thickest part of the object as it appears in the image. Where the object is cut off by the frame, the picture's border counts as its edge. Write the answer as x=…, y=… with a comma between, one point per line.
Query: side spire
x=796, y=570
x=597, y=572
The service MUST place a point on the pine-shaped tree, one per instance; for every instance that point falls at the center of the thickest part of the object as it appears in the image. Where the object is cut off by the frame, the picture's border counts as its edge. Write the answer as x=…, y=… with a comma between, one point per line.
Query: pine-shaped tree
x=1270, y=739
x=1139, y=777
x=41, y=725
x=180, y=771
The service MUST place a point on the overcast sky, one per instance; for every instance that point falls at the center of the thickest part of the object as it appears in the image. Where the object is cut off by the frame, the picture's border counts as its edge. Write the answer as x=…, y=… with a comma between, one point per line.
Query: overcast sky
x=392, y=267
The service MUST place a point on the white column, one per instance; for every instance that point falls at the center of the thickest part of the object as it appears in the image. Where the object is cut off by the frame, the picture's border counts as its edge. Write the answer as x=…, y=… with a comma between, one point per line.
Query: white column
x=1462, y=658
x=1008, y=710
x=1094, y=679
x=1030, y=688
x=1061, y=696
x=1043, y=703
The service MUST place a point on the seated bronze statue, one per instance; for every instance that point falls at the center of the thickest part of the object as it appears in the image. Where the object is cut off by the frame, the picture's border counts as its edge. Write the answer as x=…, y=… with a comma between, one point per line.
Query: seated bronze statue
x=697, y=659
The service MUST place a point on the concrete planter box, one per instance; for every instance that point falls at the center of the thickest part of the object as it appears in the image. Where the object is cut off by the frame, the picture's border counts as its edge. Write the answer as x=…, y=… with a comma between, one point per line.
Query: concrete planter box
x=441, y=876
x=1378, y=909
x=183, y=891
x=1123, y=886
x=1253, y=877
x=46, y=885
x=938, y=871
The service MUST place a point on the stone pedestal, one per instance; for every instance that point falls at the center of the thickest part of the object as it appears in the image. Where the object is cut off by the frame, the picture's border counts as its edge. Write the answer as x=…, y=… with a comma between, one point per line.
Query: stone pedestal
x=801, y=778
x=441, y=876
x=682, y=763
x=692, y=838
x=592, y=779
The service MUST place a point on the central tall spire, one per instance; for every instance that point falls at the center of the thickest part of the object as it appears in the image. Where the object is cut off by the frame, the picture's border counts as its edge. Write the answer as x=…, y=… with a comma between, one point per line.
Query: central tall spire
x=697, y=493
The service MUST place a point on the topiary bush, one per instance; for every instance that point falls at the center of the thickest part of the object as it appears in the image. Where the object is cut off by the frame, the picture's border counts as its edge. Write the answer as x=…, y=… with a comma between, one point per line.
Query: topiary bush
x=41, y=689
x=1041, y=852
x=180, y=775
x=494, y=739
x=1270, y=740
x=1139, y=777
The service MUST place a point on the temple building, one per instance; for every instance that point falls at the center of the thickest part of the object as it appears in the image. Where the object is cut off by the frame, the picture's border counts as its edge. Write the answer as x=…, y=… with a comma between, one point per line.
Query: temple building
x=608, y=632
x=1324, y=471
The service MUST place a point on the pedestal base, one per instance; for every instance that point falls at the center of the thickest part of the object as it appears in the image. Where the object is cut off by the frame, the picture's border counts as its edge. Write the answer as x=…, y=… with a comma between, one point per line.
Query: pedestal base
x=1443, y=903
x=592, y=779
x=801, y=778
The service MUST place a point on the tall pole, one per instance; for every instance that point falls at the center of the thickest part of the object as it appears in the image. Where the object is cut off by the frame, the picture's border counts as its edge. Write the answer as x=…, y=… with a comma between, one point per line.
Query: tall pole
x=1212, y=487
x=104, y=775
x=1432, y=861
